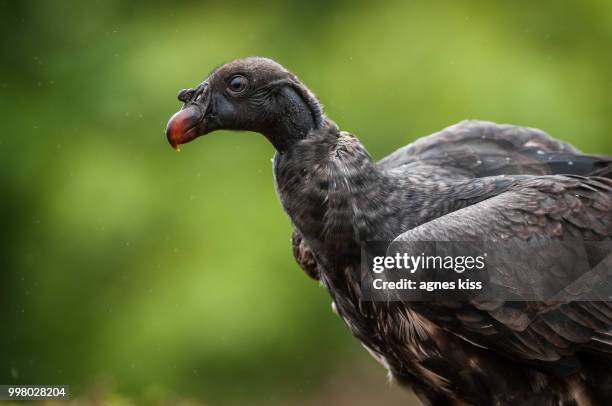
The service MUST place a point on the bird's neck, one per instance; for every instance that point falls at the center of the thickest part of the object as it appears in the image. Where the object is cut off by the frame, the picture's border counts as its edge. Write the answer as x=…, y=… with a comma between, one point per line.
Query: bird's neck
x=332, y=189
x=296, y=114
x=288, y=132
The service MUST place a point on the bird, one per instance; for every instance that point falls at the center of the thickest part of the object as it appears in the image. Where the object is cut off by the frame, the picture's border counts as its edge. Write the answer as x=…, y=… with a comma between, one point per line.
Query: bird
x=471, y=181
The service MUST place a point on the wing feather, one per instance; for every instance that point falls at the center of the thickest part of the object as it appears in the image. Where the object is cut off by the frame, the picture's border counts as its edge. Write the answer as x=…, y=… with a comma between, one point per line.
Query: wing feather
x=552, y=207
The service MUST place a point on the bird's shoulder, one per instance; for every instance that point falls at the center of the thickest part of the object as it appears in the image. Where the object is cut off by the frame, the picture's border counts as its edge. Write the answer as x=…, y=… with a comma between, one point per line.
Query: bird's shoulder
x=484, y=148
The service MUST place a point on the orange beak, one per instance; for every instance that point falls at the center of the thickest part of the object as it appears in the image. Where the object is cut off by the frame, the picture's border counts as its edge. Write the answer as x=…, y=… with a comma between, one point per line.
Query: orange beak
x=184, y=126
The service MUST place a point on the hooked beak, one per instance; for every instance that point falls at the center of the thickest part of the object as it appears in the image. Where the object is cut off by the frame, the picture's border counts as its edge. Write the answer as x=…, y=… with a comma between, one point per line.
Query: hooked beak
x=189, y=122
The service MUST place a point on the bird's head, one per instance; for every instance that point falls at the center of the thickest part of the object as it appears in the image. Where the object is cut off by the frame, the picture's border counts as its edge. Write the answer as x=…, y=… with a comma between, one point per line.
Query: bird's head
x=250, y=94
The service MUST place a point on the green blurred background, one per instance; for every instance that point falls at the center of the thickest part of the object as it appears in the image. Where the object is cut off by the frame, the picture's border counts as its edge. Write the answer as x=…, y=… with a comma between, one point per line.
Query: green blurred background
x=141, y=276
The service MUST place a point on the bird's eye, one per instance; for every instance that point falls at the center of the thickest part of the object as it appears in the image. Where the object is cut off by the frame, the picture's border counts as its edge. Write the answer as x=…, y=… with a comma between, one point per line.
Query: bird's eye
x=237, y=84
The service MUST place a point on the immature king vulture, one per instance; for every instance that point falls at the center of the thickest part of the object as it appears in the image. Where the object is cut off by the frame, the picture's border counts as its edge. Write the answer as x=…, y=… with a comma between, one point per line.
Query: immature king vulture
x=472, y=181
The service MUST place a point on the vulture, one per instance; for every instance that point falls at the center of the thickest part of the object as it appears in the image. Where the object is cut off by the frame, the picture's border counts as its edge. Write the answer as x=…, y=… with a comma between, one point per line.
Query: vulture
x=473, y=181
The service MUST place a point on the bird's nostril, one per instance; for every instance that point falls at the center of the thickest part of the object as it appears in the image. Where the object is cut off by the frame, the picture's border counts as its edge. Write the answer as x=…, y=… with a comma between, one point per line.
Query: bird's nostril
x=185, y=95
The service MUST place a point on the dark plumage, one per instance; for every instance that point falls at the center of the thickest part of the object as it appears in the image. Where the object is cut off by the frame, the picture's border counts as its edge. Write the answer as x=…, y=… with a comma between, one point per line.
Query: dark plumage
x=475, y=180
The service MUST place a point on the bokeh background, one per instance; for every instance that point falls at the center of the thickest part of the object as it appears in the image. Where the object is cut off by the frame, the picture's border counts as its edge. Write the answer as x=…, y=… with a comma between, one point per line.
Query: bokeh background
x=141, y=276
